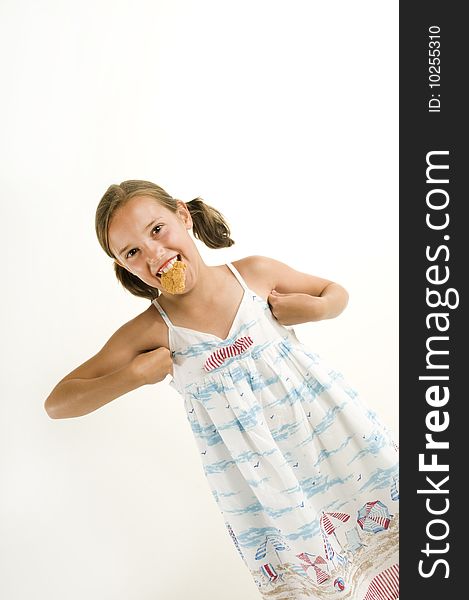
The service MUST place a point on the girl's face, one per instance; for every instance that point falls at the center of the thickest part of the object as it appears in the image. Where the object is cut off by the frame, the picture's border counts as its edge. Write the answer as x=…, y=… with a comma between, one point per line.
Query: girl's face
x=144, y=235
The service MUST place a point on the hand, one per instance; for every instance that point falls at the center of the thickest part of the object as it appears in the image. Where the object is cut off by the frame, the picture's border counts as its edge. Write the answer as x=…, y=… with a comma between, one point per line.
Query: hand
x=295, y=308
x=153, y=366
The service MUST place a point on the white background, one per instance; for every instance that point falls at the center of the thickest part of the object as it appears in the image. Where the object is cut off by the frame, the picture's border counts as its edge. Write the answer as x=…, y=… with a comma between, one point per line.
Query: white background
x=283, y=115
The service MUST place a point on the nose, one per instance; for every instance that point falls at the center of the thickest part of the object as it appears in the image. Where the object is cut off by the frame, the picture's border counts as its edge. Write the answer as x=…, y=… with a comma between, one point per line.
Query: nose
x=154, y=256
x=152, y=260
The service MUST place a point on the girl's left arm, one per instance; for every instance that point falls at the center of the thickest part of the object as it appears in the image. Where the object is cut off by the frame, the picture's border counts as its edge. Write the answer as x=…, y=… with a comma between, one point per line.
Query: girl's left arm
x=297, y=297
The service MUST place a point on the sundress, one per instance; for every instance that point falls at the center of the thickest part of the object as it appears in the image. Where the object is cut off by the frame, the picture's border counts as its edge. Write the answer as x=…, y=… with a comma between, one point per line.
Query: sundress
x=305, y=476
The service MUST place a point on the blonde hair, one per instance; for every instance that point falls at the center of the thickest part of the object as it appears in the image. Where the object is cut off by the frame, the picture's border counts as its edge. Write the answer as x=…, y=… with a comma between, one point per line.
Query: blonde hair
x=209, y=225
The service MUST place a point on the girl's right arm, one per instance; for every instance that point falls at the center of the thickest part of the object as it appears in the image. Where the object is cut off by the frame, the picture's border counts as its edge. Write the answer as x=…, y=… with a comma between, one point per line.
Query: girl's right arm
x=122, y=365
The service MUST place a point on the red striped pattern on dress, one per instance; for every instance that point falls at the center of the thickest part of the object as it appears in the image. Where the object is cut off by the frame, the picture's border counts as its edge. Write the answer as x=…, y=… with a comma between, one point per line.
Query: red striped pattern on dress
x=320, y=574
x=383, y=521
x=306, y=557
x=217, y=358
x=344, y=517
x=384, y=586
x=327, y=525
x=269, y=570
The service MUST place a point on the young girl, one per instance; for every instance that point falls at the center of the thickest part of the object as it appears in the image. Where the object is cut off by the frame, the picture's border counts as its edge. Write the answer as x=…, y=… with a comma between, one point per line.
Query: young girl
x=304, y=475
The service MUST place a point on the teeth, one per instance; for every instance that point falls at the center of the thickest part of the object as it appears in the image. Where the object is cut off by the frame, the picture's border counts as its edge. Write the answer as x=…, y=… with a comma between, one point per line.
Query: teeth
x=168, y=265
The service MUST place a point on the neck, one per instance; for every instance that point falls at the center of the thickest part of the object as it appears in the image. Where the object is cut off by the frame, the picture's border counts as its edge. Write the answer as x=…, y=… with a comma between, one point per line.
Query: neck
x=209, y=282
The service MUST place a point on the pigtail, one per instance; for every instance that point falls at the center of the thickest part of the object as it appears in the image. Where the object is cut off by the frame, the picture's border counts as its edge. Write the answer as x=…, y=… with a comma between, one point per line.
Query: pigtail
x=134, y=285
x=209, y=225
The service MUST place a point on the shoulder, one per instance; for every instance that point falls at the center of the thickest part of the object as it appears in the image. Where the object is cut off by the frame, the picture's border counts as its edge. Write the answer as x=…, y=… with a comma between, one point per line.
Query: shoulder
x=147, y=330
x=273, y=274
x=255, y=262
x=258, y=272
x=261, y=266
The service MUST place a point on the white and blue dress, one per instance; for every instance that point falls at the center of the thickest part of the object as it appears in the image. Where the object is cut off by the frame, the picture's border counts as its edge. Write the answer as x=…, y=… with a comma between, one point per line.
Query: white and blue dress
x=305, y=476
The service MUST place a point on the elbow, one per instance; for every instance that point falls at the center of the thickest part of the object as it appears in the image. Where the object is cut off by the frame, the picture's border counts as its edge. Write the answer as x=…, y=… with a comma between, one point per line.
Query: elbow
x=340, y=294
x=62, y=405
x=345, y=298
x=337, y=299
x=58, y=402
x=51, y=409
x=56, y=405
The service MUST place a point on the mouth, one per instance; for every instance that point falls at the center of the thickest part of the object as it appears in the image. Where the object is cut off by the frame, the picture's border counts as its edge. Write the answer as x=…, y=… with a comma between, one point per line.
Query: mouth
x=168, y=265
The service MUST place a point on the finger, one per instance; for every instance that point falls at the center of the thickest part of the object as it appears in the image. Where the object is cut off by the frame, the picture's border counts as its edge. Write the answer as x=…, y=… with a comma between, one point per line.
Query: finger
x=271, y=307
x=281, y=294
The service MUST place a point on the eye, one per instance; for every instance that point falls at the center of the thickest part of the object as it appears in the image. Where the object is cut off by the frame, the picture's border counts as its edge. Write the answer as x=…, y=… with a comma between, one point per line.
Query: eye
x=131, y=253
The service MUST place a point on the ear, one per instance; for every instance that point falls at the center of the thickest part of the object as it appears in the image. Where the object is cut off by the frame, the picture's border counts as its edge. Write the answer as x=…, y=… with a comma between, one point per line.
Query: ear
x=184, y=214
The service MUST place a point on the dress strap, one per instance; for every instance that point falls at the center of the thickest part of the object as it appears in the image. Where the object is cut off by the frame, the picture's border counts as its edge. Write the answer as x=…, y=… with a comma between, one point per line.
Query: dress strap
x=237, y=275
x=163, y=314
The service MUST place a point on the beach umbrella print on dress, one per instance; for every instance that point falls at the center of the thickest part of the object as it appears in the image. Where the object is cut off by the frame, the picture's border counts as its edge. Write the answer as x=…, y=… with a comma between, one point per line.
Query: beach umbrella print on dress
x=319, y=565
x=276, y=542
x=373, y=516
x=330, y=553
x=328, y=528
x=328, y=549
